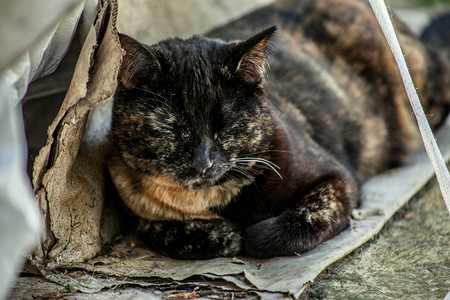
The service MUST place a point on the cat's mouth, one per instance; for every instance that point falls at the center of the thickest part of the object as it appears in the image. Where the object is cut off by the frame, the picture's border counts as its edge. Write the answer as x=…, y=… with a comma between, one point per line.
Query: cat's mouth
x=204, y=183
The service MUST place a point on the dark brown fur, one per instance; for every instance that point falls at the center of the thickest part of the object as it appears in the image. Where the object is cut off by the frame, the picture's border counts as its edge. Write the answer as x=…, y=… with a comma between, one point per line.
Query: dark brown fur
x=190, y=116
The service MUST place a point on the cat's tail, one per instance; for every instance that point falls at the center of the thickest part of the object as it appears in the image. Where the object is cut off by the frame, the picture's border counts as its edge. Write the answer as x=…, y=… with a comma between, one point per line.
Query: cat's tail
x=436, y=39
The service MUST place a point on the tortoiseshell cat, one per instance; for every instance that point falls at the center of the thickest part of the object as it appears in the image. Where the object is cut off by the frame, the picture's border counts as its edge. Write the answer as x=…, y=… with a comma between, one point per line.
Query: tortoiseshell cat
x=218, y=161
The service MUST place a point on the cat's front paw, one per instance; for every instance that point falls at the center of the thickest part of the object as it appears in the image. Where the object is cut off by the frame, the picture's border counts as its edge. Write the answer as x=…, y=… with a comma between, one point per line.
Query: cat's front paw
x=193, y=239
x=266, y=239
x=281, y=236
x=275, y=237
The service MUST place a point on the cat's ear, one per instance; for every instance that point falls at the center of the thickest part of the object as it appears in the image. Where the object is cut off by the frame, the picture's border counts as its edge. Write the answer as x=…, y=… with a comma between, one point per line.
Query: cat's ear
x=249, y=56
x=138, y=63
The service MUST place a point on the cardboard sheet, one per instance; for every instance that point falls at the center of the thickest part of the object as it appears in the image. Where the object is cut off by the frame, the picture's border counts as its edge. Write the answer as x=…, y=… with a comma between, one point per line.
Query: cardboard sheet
x=68, y=175
x=33, y=44
x=383, y=195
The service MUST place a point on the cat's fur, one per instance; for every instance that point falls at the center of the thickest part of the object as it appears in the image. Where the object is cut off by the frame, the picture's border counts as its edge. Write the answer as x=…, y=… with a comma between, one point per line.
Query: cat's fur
x=217, y=161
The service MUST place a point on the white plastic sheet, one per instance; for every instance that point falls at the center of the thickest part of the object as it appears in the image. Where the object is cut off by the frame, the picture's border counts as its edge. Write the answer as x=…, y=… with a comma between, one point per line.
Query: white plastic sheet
x=23, y=59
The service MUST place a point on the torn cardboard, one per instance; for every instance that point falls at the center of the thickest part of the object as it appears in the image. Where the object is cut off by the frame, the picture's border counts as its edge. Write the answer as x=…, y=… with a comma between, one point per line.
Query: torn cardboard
x=68, y=176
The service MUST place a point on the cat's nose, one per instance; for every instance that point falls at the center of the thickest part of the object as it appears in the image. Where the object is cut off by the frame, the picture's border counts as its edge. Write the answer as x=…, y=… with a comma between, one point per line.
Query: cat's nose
x=202, y=161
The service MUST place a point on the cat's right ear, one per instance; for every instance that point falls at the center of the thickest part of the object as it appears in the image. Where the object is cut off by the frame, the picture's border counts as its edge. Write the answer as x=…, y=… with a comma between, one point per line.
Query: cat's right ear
x=138, y=63
x=249, y=56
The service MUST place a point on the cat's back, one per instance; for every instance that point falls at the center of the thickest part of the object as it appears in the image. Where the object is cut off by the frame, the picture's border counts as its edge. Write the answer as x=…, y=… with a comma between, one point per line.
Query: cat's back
x=332, y=73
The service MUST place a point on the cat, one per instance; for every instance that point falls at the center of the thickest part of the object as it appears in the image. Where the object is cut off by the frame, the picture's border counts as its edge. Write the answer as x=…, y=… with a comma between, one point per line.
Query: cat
x=218, y=155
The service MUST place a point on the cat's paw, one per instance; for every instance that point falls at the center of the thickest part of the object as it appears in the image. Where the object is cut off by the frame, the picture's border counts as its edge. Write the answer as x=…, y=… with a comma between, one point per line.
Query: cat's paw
x=276, y=237
x=320, y=215
x=193, y=239
x=266, y=239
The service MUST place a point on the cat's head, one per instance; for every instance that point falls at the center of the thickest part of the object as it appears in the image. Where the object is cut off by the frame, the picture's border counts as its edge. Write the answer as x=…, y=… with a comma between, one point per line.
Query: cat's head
x=192, y=109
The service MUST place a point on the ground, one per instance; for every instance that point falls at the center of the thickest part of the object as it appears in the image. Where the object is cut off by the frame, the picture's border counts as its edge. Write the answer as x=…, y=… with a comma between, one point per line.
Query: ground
x=409, y=258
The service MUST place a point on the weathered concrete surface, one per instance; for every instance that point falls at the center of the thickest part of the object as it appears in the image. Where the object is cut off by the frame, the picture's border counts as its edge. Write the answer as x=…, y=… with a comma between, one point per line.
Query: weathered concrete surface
x=409, y=259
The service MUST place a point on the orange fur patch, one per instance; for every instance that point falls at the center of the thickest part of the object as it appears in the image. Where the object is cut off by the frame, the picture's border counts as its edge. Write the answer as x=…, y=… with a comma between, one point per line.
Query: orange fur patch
x=159, y=197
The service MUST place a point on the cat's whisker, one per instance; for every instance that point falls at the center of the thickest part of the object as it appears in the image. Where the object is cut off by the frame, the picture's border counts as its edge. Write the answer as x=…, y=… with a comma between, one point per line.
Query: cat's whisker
x=253, y=171
x=240, y=170
x=243, y=172
x=246, y=165
x=269, y=151
x=153, y=93
x=263, y=161
x=263, y=167
x=257, y=159
x=164, y=100
x=229, y=176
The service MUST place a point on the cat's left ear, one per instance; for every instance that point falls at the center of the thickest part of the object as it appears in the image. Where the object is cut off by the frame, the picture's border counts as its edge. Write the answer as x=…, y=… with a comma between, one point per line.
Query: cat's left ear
x=138, y=64
x=248, y=62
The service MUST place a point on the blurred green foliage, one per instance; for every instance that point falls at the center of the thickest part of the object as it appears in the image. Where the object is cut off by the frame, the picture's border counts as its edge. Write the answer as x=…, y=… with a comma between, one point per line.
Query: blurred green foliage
x=429, y=2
